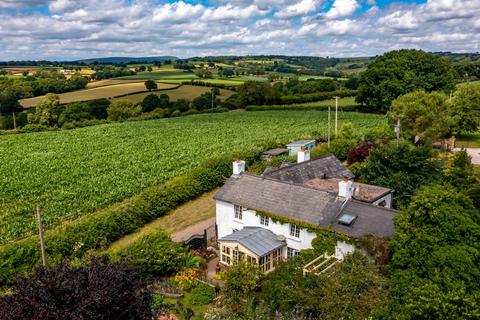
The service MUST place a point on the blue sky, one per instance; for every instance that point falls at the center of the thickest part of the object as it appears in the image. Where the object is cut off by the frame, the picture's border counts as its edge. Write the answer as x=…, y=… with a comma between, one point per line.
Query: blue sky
x=71, y=29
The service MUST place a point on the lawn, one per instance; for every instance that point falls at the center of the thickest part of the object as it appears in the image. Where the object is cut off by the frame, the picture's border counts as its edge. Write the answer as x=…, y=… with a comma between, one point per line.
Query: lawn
x=469, y=141
x=185, y=216
x=96, y=93
x=74, y=172
x=182, y=92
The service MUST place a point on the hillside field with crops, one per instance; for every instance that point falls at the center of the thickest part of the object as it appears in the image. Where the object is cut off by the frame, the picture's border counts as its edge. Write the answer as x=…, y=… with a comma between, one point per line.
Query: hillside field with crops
x=72, y=173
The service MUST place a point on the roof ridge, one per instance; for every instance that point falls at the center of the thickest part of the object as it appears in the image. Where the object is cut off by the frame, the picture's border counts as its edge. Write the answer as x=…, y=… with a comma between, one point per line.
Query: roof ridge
x=287, y=183
x=304, y=162
x=373, y=205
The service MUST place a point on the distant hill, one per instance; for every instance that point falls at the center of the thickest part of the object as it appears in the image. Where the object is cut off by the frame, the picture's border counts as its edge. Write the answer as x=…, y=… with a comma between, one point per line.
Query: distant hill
x=128, y=59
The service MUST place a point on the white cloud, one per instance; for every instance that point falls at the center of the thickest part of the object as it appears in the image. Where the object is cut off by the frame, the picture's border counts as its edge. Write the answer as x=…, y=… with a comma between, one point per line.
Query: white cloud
x=178, y=11
x=230, y=12
x=21, y=3
x=342, y=8
x=301, y=8
x=84, y=28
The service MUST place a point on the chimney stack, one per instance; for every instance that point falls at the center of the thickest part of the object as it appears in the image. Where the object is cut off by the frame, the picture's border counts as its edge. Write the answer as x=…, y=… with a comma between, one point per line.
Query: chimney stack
x=303, y=155
x=238, y=166
x=345, y=188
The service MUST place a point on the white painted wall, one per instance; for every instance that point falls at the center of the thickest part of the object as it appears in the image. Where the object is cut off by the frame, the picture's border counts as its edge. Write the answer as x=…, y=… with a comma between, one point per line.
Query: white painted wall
x=388, y=201
x=226, y=224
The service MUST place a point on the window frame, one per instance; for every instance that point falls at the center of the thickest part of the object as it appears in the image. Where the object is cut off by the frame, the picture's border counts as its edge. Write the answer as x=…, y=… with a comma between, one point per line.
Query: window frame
x=238, y=212
x=264, y=221
x=294, y=230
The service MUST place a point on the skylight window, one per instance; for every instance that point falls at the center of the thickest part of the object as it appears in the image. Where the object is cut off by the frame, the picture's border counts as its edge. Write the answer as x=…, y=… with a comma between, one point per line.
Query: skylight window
x=347, y=219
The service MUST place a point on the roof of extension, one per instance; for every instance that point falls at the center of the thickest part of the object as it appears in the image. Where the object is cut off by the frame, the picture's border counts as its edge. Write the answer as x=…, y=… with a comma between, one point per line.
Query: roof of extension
x=325, y=167
x=258, y=240
x=364, y=192
x=306, y=204
x=300, y=143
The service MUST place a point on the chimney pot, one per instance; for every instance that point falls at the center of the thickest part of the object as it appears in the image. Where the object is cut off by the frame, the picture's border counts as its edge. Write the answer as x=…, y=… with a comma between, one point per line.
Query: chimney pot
x=303, y=155
x=238, y=166
x=345, y=188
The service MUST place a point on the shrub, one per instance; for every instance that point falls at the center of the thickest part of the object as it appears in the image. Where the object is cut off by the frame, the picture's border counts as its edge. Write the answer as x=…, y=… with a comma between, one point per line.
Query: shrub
x=98, y=290
x=360, y=152
x=156, y=253
x=176, y=113
x=122, y=110
x=339, y=147
x=200, y=295
x=33, y=127
x=190, y=112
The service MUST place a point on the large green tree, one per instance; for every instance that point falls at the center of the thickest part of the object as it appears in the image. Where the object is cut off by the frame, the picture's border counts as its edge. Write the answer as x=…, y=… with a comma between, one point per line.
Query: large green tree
x=465, y=105
x=426, y=116
x=404, y=169
x=436, y=257
x=45, y=113
x=399, y=72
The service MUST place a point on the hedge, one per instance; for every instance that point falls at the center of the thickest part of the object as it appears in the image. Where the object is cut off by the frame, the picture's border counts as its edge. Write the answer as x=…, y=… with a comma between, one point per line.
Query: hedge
x=96, y=231
x=318, y=96
x=298, y=107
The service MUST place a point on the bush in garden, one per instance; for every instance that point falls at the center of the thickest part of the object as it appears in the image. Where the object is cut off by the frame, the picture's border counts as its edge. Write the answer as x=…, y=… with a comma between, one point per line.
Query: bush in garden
x=98, y=290
x=201, y=295
x=360, y=152
x=155, y=252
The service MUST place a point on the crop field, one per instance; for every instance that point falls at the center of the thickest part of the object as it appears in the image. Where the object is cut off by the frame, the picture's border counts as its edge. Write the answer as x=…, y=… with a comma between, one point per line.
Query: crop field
x=342, y=102
x=182, y=92
x=72, y=173
x=96, y=93
x=162, y=75
x=230, y=82
x=109, y=82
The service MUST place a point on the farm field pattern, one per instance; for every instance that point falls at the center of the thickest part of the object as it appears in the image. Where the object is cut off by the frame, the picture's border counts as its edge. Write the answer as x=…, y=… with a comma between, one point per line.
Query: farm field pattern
x=72, y=173
x=96, y=93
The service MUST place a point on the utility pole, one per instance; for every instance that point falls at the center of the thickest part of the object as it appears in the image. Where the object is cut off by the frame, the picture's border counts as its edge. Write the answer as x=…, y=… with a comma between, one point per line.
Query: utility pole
x=212, y=100
x=336, y=116
x=397, y=128
x=328, y=135
x=40, y=232
x=14, y=122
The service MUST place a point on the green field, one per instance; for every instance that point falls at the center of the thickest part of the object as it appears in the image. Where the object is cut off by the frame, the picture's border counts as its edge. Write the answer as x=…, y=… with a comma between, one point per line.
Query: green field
x=72, y=173
x=96, y=93
x=342, y=102
x=161, y=75
x=182, y=92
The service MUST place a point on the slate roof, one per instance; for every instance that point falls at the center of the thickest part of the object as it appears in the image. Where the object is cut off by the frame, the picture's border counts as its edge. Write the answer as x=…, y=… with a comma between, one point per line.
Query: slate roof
x=258, y=240
x=300, y=143
x=327, y=166
x=366, y=192
x=306, y=204
x=275, y=152
x=285, y=199
x=371, y=220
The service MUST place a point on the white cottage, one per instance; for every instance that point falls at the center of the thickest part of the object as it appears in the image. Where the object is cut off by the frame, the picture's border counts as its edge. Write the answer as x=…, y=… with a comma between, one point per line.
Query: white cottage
x=316, y=192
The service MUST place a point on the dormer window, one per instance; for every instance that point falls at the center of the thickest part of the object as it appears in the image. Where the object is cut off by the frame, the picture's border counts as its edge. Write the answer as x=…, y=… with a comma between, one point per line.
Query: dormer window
x=238, y=212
